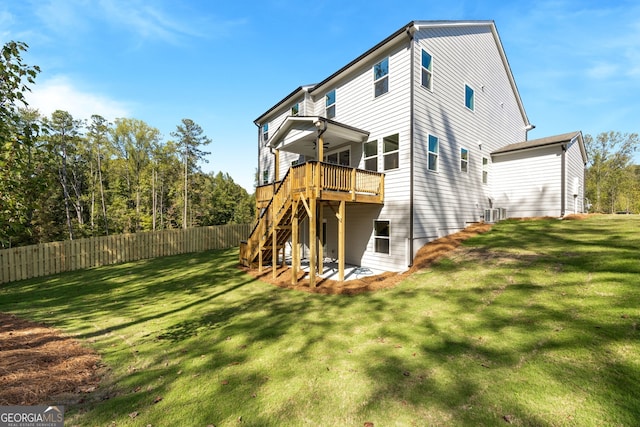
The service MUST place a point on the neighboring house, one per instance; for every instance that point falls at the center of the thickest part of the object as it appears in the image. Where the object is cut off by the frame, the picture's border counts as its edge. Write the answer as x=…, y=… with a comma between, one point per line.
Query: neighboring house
x=403, y=145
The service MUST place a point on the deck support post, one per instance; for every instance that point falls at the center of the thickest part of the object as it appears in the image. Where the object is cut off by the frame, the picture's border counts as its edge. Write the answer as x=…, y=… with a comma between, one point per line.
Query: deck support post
x=313, y=240
x=274, y=247
x=341, y=230
x=320, y=238
x=295, y=252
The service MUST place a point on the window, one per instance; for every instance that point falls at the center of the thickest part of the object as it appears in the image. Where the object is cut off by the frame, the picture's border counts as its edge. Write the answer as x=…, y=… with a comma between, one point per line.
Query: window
x=427, y=73
x=464, y=160
x=265, y=176
x=391, y=152
x=381, y=77
x=469, y=97
x=485, y=170
x=265, y=132
x=371, y=156
x=295, y=110
x=433, y=153
x=330, y=104
x=381, y=236
x=342, y=158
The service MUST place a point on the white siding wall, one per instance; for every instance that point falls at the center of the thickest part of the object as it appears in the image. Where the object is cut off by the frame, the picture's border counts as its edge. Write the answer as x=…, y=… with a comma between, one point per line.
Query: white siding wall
x=575, y=179
x=447, y=199
x=528, y=183
x=383, y=116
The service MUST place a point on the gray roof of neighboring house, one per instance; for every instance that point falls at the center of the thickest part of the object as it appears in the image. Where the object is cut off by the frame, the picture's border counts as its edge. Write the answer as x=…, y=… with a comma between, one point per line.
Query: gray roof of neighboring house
x=537, y=143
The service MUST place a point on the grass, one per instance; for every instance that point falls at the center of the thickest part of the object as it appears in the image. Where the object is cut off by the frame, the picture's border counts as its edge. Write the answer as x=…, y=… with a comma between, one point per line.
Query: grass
x=535, y=323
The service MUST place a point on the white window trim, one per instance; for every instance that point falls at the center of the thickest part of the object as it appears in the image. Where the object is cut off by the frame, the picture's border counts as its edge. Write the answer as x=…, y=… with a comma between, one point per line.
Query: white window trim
x=385, y=154
x=464, y=97
x=327, y=107
x=437, y=154
x=338, y=151
x=388, y=238
x=297, y=104
x=463, y=160
x=386, y=76
x=375, y=156
x=485, y=169
x=430, y=89
x=265, y=133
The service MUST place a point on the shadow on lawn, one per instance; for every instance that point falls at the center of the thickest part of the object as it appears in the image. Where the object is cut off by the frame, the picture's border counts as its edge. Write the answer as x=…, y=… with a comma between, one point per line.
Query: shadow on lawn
x=457, y=354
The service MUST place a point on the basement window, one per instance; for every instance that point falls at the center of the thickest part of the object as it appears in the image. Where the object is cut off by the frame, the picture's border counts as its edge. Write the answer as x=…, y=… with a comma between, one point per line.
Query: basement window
x=381, y=77
x=381, y=236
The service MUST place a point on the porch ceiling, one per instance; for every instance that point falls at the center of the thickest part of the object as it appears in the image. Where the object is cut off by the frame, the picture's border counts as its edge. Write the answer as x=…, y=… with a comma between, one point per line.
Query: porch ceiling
x=300, y=134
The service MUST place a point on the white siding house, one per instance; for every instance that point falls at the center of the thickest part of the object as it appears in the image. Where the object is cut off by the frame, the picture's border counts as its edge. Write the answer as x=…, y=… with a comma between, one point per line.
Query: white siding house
x=428, y=114
x=542, y=177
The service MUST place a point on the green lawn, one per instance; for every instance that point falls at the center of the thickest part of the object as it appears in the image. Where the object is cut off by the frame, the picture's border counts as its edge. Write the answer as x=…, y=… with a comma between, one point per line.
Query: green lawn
x=535, y=324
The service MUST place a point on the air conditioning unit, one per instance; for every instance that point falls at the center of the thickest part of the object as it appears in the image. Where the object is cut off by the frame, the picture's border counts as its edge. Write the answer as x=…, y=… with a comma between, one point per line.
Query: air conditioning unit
x=495, y=215
x=490, y=215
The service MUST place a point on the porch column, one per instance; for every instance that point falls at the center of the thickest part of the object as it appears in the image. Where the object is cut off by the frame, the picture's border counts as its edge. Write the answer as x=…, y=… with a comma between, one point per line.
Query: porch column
x=341, y=230
x=274, y=245
x=295, y=252
x=320, y=148
x=320, y=238
x=313, y=239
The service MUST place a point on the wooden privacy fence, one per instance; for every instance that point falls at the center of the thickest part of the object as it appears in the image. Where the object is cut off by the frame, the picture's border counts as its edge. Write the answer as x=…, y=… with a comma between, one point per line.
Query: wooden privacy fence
x=57, y=257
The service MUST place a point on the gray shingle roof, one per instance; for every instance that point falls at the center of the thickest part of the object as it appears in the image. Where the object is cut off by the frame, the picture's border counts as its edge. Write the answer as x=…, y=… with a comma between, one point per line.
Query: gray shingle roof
x=537, y=143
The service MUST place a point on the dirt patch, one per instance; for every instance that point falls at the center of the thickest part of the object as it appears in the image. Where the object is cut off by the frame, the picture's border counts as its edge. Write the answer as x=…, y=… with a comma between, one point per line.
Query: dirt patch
x=429, y=253
x=39, y=364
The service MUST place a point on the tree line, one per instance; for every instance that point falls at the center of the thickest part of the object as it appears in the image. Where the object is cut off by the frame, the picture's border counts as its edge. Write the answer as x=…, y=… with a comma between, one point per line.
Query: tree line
x=65, y=178
x=612, y=180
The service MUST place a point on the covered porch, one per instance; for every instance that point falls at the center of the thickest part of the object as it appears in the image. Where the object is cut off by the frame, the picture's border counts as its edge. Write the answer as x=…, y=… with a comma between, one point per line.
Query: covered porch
x=305, y=192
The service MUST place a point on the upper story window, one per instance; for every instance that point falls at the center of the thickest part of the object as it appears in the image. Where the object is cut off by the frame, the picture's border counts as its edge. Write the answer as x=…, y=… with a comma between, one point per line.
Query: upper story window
x=391, y=152
x=469, y=98
x=485, y=170
x=464, y=160
x=427, y=70
x=265, y=176
x=330, y=104
x=381, y=77
x=265, y=132
x=371, y=156
x=434, y=148
x=295, y=110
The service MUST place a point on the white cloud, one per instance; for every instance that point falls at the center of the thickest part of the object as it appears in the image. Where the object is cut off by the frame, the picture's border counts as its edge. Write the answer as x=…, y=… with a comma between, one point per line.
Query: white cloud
x=59, y=93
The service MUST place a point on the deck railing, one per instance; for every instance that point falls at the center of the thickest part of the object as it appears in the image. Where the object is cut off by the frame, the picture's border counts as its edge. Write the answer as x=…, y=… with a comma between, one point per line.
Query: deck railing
x=323, y=181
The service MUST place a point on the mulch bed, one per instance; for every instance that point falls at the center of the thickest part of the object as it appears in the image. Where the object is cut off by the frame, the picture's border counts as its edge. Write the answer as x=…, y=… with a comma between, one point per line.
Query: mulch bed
x=424, y=258
x=39, y=365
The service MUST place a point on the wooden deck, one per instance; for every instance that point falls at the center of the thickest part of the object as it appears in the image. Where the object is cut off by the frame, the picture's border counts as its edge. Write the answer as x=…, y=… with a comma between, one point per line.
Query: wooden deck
x=282, y=205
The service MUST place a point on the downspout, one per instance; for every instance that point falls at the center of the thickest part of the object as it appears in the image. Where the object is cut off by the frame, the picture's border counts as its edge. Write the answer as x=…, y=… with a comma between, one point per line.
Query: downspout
x=563, y=180
x=259, y=141
x=410, y=32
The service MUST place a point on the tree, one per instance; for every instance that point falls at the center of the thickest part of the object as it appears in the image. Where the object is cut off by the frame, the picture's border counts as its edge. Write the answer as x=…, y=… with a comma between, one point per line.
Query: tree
x=190, y=136
x=98, y=138
x=63, y=135
x=608, y=175
x=135, y=141
x=15, y=140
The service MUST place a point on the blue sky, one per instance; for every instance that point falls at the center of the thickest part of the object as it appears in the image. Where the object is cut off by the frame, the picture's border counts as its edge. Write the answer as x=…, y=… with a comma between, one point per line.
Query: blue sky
x=222, y=64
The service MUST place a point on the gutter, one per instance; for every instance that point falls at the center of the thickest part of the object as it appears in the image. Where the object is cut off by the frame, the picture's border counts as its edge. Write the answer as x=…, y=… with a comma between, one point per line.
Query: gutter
x=410, y=32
